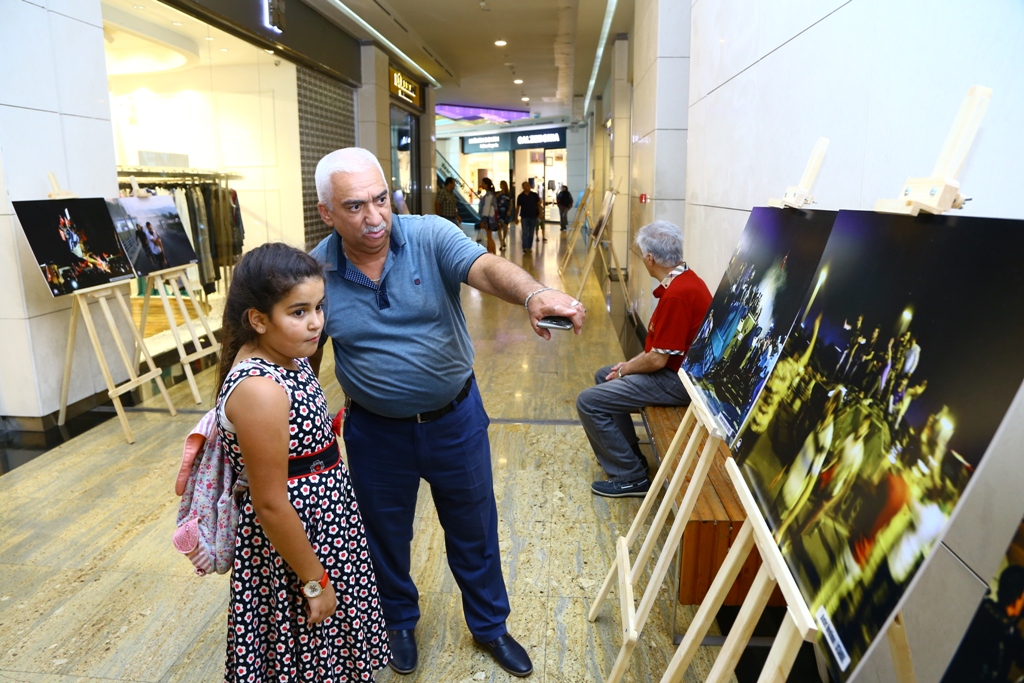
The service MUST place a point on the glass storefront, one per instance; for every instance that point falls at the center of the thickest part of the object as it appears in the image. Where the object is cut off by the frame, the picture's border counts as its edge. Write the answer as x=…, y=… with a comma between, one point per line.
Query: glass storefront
x=405, y=160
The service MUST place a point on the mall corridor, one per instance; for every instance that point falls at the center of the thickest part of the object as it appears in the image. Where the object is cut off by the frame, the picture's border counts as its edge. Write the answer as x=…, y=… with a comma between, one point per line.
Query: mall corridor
x=91, y=588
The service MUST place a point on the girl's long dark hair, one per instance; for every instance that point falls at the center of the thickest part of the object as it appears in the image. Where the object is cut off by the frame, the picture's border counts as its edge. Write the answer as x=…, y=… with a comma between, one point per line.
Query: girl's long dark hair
x=261, y=279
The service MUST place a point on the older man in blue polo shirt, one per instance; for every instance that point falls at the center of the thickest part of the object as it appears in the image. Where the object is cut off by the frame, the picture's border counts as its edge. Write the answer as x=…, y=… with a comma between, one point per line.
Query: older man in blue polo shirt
x=404, y=357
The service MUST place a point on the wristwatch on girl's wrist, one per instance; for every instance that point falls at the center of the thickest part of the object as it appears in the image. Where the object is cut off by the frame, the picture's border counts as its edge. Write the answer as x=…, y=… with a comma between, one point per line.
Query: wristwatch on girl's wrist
x=313, y=588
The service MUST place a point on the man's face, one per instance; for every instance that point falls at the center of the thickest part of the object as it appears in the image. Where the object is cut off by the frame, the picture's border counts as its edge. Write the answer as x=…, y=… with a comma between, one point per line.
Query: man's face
x=361, y=212
x=450, y=186
x=526, y=187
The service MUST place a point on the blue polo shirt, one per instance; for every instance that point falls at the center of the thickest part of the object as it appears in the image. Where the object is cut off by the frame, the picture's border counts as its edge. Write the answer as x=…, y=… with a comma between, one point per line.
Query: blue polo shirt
x=402, y=348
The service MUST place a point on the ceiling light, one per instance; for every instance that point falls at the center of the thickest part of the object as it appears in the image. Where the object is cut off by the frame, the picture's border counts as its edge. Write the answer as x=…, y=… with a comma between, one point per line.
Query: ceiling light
x=609, y=14
x=139, y=6
x=209, y=37
x=500, y=43
x=175, y=23
x=518, y=81
x=223, y=49
x=269, y=52
x=526, y=99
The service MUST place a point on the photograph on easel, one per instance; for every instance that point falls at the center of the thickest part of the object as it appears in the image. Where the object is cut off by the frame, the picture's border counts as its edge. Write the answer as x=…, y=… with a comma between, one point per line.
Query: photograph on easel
x=754, y=308
x=152, y=233
x=883, y=402
x=992, y=649
x=74, y=243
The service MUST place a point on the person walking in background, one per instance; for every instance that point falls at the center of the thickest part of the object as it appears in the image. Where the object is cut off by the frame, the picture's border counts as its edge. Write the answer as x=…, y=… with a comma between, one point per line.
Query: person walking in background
x=446, y=204
x=528, y=209
x=504, y=213
x=304, y=602
x=488, y=208
x=564, y=200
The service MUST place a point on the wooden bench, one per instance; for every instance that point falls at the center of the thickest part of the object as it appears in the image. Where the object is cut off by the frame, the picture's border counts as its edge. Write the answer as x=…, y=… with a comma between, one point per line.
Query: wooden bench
x=714, y=524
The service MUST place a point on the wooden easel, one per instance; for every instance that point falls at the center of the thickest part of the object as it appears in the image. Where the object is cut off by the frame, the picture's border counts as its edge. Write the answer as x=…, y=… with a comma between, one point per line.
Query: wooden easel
x=80, y=304
x=177, y=279
x=941, y=192
x=799, y=195
x=595, y=247
x=696, y=432
x=579, y=220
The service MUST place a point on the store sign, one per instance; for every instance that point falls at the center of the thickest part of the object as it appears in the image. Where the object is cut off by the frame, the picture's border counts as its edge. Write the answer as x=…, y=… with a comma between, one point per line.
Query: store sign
x=404, y=87
x=273, y=15
x=550, y=138
x=490, y=142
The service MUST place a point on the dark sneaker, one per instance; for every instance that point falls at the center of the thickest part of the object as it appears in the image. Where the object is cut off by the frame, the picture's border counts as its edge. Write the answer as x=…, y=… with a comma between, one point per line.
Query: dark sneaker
x=622, y=489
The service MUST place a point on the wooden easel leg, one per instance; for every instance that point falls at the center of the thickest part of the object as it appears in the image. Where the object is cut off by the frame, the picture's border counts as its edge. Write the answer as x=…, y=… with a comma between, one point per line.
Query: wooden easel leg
x=192, y=333
x=634, y=530
x=739, y=635
x=69, y=355
x=783, y=653
x=588, y=266
x=140, y=344
x=902, y=662
x=177, y=338
x=819, y=661
x=142, y=322
x=712, y=602
x=111, y=387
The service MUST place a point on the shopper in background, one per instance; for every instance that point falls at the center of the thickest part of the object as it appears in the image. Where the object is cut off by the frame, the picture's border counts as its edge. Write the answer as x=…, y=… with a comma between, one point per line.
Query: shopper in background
x=564, y=200
x=415, y=412
x=488, y=209
x=651, y=377
x=446, y=205
x=504, y=213
x=304, y=602
x=528, y=208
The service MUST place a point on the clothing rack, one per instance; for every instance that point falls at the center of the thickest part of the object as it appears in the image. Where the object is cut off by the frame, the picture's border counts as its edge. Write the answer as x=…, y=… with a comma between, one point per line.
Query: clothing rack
x=173, y=175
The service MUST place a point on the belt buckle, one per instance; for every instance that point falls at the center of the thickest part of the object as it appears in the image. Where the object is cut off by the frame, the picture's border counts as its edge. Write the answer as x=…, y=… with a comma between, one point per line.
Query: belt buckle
x=420, y=420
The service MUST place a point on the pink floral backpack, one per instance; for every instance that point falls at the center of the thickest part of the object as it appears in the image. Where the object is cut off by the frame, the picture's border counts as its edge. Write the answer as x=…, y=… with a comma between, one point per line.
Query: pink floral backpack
x=210, y=491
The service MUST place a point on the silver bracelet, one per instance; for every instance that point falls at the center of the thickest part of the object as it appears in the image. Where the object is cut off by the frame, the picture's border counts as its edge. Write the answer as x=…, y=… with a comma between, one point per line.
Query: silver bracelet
x=532, y=294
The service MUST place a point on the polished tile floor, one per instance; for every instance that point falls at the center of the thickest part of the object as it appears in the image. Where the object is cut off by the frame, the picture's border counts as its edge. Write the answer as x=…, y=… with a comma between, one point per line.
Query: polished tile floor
x=91, y=589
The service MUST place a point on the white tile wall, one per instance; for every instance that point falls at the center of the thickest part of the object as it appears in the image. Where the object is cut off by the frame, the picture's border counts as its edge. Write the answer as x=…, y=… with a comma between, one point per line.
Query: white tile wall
x=89, y=145
x=81, y=67
x=730, y=134
x=645, y=96
x=17, y=394
x=670, y=165
x=673, y=77
x=725, y=40
x=5, y=204
x=784, y=19
x=12, y=303
x=32, y=144
x=672, y=19
x=88, y=12
x=33, y=82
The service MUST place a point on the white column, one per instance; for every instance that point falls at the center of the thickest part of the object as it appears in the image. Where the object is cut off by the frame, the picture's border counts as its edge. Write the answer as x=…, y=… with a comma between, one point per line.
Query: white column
x=428, y=152
x=576, y=148
x=374, y=106
x=54, y=116
x=661, y=66
x=621, y=105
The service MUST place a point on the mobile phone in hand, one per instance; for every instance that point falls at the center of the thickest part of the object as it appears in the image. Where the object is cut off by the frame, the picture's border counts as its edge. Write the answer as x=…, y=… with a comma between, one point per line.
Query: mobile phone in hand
x=555, y=322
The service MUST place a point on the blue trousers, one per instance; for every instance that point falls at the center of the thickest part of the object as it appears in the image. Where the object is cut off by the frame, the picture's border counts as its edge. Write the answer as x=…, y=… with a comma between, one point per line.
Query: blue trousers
x=529, y=225
x=387, y=459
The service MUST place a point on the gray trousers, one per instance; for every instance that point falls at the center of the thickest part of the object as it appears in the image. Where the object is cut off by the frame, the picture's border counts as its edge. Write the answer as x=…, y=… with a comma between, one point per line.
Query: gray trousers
x=605, y=408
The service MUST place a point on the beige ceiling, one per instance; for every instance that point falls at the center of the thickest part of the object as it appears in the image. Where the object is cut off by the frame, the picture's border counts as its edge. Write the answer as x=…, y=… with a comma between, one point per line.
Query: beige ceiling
x=551, y=46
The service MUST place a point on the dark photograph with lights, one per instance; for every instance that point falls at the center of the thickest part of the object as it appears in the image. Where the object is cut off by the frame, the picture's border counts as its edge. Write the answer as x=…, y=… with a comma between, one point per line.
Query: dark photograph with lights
x=883, y=402
x=753, y=310
x=74, y=243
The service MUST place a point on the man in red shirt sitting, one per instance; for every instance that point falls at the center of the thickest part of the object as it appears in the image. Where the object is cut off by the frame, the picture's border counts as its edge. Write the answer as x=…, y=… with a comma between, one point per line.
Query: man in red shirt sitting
x=651, y=378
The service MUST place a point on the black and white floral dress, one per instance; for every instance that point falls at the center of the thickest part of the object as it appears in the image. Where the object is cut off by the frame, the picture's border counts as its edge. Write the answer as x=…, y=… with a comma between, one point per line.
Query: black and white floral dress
x=269, y=638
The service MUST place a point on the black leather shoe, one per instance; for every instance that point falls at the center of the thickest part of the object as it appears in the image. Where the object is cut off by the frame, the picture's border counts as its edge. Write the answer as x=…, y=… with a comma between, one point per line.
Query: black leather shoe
x=509, y=655
x=403, y=651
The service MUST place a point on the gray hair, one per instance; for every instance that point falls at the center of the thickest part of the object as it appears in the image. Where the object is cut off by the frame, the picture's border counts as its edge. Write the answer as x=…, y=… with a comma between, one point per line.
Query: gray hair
x=348, y=160
x=663, y=241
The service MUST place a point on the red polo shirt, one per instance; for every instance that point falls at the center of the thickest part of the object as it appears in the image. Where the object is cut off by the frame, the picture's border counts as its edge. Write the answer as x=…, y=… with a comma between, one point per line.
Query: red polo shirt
x=678, y=316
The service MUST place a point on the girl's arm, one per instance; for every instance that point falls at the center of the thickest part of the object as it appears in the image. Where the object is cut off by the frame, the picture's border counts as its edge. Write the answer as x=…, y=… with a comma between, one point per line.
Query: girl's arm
x=259, y=408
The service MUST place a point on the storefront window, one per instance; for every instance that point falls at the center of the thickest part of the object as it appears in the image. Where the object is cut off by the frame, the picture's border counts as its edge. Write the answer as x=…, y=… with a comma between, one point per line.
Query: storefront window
x=405, y=161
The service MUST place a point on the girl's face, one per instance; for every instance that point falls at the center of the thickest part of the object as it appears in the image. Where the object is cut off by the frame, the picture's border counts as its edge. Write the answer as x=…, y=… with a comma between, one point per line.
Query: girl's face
x=294, y=326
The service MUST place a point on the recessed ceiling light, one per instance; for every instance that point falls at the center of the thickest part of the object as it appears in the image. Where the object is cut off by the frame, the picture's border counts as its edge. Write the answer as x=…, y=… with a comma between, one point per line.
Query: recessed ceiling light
x=526, y=99
x=223, y=49
x=175, y=23
x=209, y=37
x=139, y=6
x=500, y=43
x=269, y=52
x=518, y=81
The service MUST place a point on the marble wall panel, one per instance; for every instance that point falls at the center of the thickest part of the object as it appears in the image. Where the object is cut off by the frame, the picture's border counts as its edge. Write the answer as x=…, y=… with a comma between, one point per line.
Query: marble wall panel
x=32, y=143
x=17, y=394
x=81, y=68
x=33, y=83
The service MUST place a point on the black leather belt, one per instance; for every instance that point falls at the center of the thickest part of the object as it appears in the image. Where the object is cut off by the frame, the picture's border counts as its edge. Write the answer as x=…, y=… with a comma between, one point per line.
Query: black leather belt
x=428, y=416
x=315, y=463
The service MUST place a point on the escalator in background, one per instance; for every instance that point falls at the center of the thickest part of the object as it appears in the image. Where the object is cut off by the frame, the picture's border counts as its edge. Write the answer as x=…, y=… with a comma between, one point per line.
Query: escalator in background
x=465, y=194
